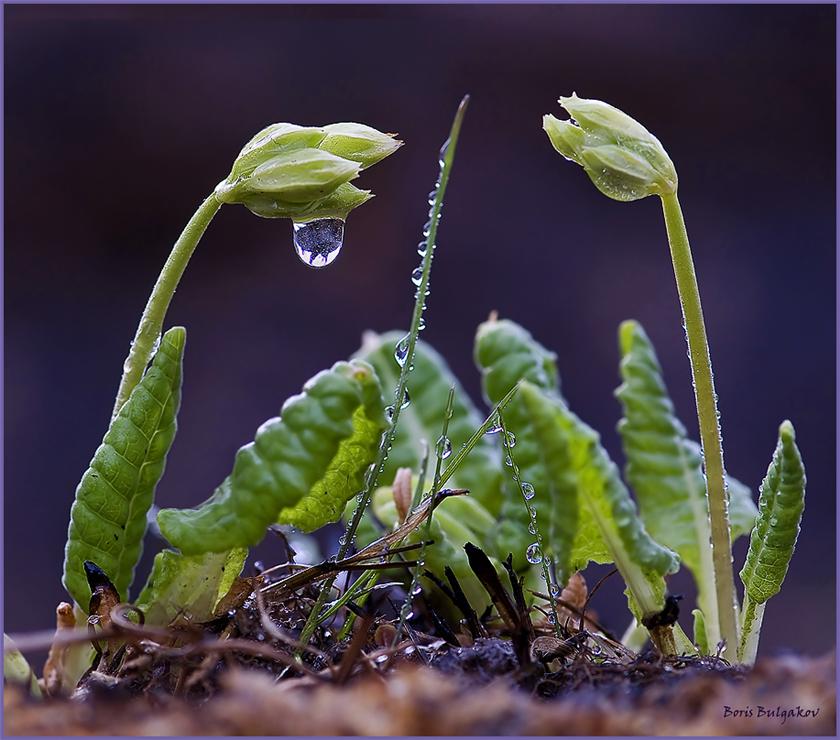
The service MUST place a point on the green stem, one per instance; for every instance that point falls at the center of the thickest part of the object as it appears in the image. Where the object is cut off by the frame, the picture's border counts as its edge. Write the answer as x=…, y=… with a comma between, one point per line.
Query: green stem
x=750, y=630
x=707, y=415
x=151, y=322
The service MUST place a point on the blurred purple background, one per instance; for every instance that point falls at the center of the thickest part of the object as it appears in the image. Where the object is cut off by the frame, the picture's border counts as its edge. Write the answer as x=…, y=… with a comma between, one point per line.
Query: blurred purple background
x=119, y=120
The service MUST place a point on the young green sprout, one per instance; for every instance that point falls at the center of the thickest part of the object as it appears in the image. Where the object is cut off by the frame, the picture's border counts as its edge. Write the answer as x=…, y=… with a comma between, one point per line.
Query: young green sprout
x=302, y=173
x=626, y=162
x=773, y=539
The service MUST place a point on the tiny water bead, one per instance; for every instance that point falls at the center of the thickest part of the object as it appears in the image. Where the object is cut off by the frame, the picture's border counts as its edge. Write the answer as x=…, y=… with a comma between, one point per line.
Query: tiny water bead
x=528, y=491
x=444, y=447
x=401, y=350
x=534, y=554
x=318, y=242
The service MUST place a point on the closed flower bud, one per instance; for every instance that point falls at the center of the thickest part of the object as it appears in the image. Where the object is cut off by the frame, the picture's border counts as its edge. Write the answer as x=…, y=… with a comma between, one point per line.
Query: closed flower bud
x=622, y=158
x=359, y=143
x=304, y=173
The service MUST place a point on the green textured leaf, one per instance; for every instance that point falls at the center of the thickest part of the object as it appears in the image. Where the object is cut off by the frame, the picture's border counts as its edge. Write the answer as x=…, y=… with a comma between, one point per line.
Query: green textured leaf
x=188, y=586
x=301, y=468
x=430, y=382
x=506, y=353
x=108, y=517
x=780, y=504
x=665, y=468
x=584, y=509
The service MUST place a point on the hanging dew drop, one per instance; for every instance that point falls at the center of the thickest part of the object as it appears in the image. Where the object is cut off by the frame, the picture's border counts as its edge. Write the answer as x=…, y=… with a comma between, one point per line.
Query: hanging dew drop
x=406, y=400
x=532, y=528
x=401, y=350
x=508, y=461
x=511, y=439
x=533, y=554
x=444, y=447
x=555, y=590
x=422, y=247
x=528, y=491
x=495, y=429
x=417, y=275
x=318, y=242
x=389, y=413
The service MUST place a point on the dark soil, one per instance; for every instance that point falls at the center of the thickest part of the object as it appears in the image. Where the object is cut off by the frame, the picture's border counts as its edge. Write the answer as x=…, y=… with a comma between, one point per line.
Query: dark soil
x=489, y=675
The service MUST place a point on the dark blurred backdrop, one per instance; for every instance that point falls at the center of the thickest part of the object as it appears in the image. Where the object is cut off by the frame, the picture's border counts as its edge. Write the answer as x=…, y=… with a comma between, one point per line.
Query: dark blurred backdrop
x=119, y=120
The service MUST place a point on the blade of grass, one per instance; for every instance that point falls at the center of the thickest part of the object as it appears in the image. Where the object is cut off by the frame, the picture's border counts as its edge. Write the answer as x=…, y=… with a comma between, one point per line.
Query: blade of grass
x=447, y=156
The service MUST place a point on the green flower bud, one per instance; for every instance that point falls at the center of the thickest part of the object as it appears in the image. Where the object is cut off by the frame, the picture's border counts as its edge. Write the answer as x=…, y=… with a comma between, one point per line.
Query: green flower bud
x=304, y=173
x=359, y=143
x=622, y=158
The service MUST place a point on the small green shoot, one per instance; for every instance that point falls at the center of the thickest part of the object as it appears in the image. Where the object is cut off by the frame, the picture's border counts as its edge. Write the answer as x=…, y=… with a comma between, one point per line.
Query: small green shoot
x=772, y=542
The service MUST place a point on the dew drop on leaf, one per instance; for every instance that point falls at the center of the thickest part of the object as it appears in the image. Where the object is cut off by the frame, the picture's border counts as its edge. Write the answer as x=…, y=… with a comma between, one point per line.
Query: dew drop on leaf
x=444, y=447
x=494, y=429
x=389, y=412
x=406, y=400
x=417, y=275
x=528, y=491
x=532, y=528
x=533, y=554
x=318, y=242
x=422, y=247
x=511, y=439
x=555, y=590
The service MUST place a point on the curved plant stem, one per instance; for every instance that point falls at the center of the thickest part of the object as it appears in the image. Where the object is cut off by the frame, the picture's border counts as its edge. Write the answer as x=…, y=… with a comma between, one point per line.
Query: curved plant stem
x=707, y=415
x=151, y=322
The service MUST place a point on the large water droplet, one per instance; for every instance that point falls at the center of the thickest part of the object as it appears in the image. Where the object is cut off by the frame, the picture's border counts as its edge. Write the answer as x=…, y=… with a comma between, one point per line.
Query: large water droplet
x=533, y=554
x=318, y=242
x=406, y=400
x=417, y=275
x=401, y=350
x=555, y=590
x=532, y=528
x=494, y=429
x=389, y=412
x=511, y=439
x=422, y=247
x=528, y=491
x=444, y=447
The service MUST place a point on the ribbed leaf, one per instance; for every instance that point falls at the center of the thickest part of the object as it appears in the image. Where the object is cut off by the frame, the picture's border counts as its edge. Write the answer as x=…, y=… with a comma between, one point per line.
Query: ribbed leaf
x=108, y=517
x=506, y=353
x=780, y=504
x=586, y=508
x=188, y=586
x=301, y=468
x=422, y=419
x=665, y=468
